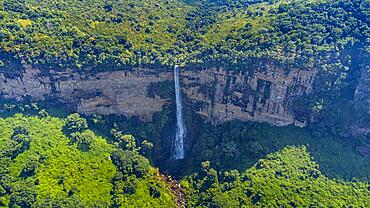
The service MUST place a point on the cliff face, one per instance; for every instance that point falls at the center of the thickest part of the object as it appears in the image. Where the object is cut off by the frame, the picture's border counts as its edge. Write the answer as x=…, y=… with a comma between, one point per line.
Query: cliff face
x=262, y=95
x=362, y=92
x=119, y=92
x=362, y=95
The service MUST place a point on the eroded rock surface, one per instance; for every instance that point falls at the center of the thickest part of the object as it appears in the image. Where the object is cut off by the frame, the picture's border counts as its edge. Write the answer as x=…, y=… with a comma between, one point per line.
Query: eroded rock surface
x=362, y=92
x=259, y=95
x=115, y=92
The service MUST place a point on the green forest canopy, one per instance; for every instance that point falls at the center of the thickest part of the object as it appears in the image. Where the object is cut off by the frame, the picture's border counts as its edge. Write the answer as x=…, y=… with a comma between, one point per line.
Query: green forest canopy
x=85, y=33
x=47, y=161
x=287, y=178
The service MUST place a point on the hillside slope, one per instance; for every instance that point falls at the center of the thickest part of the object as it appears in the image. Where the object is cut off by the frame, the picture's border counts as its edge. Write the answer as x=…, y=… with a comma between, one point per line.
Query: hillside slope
x=41, y=166
x=287, y=178
x=47, y=161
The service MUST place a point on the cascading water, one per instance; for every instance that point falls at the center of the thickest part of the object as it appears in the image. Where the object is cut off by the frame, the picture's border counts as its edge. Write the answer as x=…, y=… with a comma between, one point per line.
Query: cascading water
x=178, y=148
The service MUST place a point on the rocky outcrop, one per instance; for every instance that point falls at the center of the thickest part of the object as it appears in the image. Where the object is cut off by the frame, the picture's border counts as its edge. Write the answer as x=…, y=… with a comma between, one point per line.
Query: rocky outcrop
x=362, y=92
x=362, y=96
x=258, y=95
x=263, y=95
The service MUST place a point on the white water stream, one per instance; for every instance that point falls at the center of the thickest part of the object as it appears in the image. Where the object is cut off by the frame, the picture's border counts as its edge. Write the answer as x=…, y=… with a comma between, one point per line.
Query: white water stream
x=178, y=148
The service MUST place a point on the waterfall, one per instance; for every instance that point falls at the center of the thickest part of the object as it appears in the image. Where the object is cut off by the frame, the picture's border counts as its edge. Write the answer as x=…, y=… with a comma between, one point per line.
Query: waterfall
x=178, y=148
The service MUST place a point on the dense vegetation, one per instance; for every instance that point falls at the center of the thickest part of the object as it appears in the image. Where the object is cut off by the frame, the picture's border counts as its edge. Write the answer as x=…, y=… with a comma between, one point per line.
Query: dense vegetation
x=288, y=178
x=330, y=37
x=49, y=162
x=237, y=145
x=83, y=33
x=229, y=33
x=303, y=33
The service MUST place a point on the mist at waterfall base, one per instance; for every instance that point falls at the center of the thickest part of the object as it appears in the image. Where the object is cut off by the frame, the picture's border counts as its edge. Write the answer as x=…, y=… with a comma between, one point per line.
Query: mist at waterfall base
x=178, y=151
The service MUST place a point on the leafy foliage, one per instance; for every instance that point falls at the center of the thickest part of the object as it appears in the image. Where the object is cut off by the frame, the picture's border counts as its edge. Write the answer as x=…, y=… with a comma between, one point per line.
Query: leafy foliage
x=90, y=33
x=40, y=166
x=46, y=161
x=239, y=145
x=227, y=33
x=288, y=178
x=74, y=123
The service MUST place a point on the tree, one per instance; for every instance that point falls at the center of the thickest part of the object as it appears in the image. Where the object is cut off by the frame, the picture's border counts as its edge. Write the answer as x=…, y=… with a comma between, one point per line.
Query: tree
x=20, y=142
x=146, y=147
x=231, y=176
x=211, y=175
x=125, y=141
x=74, y=123
x=19, y=130
x=23, y=196
x=98, y=120
x=154, y=192
x=130, y=184
x=229, y=149
x=129, y=162
x=30, y=167
x=83, y=139
x=43, y=113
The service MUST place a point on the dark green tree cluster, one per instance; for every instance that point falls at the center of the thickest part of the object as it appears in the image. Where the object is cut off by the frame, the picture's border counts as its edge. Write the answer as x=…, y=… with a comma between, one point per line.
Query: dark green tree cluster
x=75, y=128
x=75, y=124
x=131, y=167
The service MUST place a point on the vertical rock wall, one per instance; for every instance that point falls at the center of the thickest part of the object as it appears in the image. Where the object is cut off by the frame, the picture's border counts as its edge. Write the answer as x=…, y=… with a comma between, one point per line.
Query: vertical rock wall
x=263, y=96
x=362, y=92
x=115, y=92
